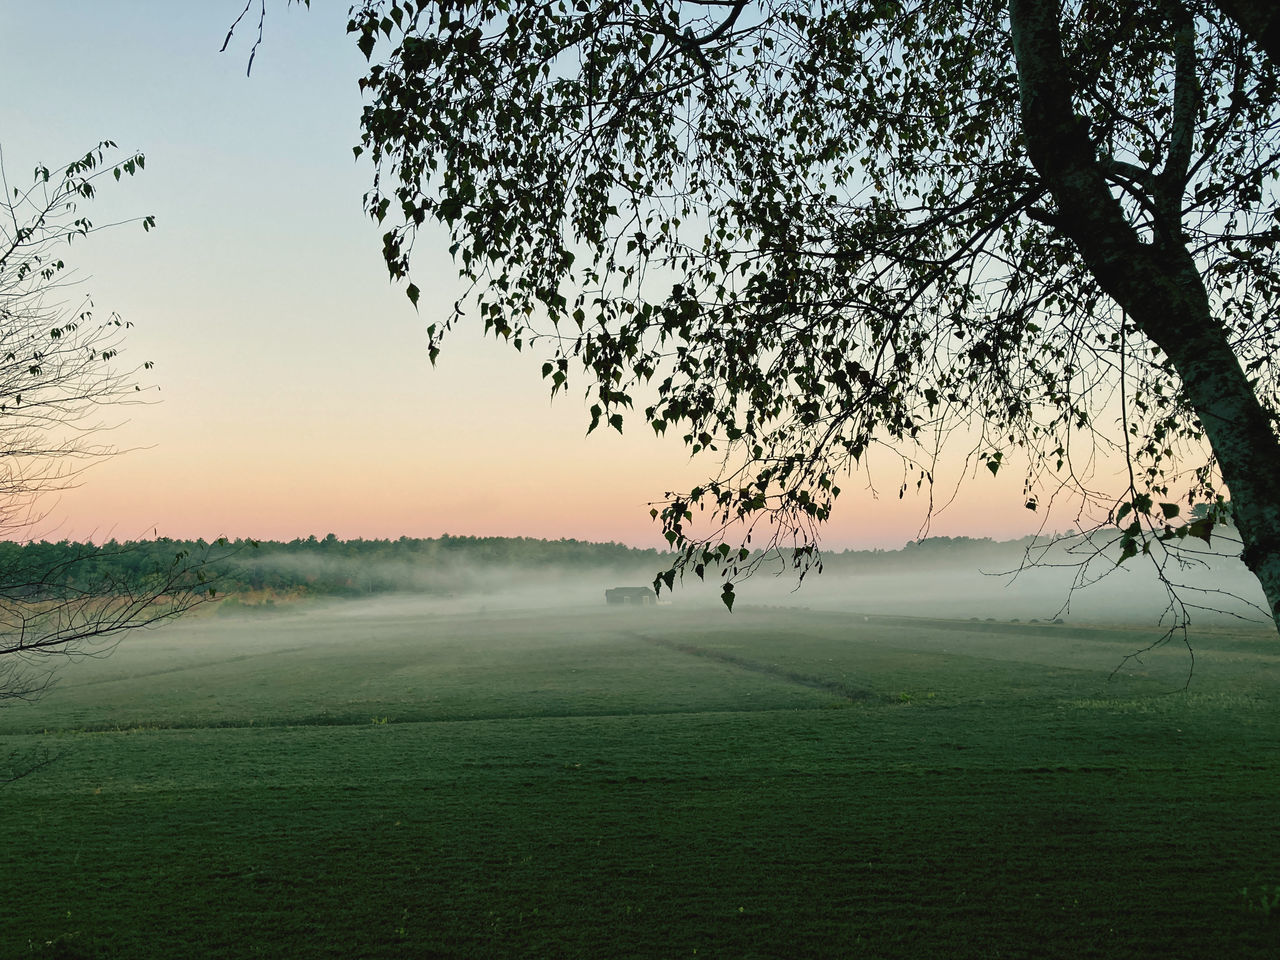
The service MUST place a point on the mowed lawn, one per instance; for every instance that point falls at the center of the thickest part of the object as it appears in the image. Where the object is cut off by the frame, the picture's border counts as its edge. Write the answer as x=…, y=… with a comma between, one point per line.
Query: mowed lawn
x=364, y=782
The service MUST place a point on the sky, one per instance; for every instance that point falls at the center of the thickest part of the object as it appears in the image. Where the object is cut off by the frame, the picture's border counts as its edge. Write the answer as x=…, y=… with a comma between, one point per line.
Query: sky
x=292, y=392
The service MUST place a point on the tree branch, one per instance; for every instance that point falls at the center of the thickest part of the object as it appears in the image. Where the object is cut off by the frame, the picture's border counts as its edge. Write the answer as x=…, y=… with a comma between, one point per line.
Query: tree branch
x=1187, y=99
x=1063, y=153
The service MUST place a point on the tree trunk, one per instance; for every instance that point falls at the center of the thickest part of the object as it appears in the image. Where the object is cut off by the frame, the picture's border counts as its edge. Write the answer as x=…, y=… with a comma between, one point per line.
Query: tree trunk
x=1242, y=437
x=1156, y=283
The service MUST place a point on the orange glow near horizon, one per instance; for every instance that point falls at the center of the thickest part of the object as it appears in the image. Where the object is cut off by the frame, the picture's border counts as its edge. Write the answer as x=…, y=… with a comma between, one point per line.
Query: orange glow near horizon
x=553, y=483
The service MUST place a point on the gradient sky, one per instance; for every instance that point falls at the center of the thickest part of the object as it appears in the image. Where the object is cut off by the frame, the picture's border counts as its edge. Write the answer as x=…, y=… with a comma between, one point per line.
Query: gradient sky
x=294, y=393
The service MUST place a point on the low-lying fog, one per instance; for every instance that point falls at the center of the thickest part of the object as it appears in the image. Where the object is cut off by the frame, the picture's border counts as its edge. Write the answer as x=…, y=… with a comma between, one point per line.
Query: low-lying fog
x=1132, y=592
x=979, y=580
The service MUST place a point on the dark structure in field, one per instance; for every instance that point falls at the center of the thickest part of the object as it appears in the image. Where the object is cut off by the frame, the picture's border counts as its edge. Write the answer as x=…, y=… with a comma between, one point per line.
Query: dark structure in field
x=631, y=596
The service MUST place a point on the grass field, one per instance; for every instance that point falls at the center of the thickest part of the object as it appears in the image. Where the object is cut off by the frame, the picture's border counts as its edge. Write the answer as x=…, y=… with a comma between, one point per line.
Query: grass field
x=367, y=782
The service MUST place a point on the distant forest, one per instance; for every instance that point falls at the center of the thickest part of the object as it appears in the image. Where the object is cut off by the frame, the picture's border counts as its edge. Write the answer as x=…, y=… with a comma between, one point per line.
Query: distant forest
x=329, y=567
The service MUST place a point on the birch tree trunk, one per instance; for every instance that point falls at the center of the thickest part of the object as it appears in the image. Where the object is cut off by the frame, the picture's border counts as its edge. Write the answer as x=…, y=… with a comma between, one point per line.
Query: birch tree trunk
x=1155, y=281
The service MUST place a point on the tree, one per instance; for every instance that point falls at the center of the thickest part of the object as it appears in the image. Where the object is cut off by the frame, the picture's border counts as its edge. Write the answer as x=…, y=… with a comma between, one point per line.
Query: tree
x=799, y=233
x=57, y=372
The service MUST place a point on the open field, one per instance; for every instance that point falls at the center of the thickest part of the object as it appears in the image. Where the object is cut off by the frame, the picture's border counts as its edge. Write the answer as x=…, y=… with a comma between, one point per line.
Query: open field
x=388, y=781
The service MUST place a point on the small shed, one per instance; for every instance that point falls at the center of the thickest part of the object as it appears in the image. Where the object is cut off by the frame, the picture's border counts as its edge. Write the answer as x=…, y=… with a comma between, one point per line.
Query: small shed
x=631, y=596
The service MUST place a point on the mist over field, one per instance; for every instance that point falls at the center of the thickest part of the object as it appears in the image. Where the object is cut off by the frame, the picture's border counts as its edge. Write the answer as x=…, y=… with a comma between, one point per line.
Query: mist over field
x=466, y=753
x=466, y=585
x=956, y=579
x=1006, y=581
x=413, y=775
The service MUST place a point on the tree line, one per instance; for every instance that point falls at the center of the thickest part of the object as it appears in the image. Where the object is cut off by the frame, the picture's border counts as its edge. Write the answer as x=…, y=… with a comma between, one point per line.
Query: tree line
x=315, y=566
x=330, y=567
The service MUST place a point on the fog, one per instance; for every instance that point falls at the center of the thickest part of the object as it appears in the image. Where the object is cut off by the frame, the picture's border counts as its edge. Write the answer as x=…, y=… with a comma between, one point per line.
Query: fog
x=964, y=580
x=1224, y=589
x=506, y=638
x=1072, y=578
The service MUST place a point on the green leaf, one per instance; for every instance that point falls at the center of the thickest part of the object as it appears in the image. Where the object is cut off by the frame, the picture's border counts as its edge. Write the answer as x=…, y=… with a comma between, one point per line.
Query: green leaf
x=726, y=596
x=411, y=292
x=1202, y=528
x=450, y=209
x=1128, y=548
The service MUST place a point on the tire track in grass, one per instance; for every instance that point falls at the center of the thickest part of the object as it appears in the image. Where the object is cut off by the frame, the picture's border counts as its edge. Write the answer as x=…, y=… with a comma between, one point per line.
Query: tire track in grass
x=348, y=720
x=183, y=668
x=825, y=684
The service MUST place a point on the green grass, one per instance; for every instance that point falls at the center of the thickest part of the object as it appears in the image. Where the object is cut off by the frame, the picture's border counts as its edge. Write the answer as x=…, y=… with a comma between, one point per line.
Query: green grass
x=652, y=783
